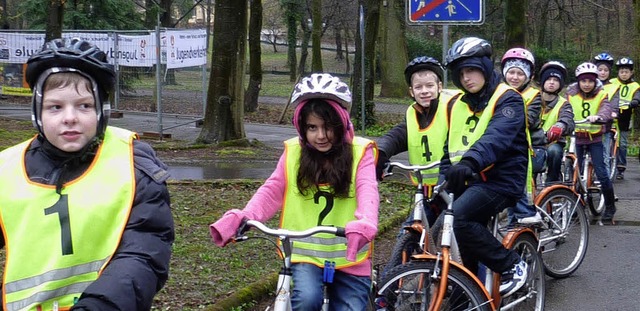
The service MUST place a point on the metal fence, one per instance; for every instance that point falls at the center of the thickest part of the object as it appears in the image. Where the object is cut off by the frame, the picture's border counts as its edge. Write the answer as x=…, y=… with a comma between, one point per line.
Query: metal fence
x=177, y=70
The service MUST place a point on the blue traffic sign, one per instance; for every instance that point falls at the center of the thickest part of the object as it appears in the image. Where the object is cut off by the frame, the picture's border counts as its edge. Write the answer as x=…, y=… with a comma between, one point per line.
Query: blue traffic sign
x=445, y=11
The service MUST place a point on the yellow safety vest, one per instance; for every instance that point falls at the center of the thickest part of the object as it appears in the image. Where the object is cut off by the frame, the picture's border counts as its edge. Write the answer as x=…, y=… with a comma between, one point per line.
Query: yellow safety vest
x=610, y=89
x=528, y=95
x=582, y=108
x=427, y=145
x=550, y=117
x=58, y=244
x=470, y=126
x=301, y=212
x=626, y=92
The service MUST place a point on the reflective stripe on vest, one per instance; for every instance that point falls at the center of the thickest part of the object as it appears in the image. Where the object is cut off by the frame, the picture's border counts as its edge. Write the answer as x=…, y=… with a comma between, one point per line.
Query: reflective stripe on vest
x=58, y=244
x=320, y=208
x=427, y=145
x=550, y=117
x=582, y=108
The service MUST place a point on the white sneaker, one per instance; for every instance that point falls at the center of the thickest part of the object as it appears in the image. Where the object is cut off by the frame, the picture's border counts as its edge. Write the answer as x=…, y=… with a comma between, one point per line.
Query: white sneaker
x=512, y=280
x=535, y=219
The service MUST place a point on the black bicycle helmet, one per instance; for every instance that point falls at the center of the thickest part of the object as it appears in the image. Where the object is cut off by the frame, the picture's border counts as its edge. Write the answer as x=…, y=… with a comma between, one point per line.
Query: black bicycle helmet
x=72, y=55
x=553, y=69
x=423, y=63
x=468, y=47
x=624, y=62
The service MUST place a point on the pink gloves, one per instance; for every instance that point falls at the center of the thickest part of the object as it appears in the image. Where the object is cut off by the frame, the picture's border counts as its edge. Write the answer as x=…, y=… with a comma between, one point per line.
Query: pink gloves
x=554, y=133
x=358, y=233
x=225, y=228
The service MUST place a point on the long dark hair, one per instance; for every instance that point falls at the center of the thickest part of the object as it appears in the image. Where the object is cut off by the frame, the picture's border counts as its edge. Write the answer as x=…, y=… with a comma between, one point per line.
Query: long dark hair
x=333, y=167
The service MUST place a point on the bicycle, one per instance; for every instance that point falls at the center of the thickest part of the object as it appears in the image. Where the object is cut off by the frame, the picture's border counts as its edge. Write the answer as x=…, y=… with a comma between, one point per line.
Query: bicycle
x=613, y=154
x=416, y=238
x=282, y=302
x=564, y=231
x=439, y=281
x=582, y=183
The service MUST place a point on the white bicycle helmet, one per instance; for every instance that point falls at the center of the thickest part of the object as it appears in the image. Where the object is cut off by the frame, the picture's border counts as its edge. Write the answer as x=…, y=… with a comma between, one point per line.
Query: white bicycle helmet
x=585, y=68
x=322, y=85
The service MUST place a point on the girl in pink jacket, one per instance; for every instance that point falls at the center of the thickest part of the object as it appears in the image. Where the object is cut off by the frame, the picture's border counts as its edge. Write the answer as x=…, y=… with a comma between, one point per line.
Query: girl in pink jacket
x=325, y=176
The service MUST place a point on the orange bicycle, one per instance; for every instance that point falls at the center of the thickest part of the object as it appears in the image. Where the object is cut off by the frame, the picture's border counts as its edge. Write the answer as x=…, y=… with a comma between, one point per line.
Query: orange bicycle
x=439, y=281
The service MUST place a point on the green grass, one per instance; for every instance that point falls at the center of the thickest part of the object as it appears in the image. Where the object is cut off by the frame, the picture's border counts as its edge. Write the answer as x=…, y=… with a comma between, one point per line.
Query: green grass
x=202, y=273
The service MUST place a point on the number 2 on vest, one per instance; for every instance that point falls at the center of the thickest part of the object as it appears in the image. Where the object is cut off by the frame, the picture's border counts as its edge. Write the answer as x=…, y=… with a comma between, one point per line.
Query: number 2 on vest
x=328, y=198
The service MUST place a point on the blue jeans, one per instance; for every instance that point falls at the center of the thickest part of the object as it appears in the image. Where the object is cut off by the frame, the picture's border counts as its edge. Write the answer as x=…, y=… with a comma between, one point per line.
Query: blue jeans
x=623, y=139
x=606, y=143
x=472, y=211
x=347, y=292
x=554, y=161
x=521, y=210
x=597, y=158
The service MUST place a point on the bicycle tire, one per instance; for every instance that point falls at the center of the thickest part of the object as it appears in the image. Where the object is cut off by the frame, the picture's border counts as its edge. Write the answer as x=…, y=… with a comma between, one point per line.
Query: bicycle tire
x=595, y=198
x=565, y=238
x=463, y=293
x=532, y=295
x=406, y=245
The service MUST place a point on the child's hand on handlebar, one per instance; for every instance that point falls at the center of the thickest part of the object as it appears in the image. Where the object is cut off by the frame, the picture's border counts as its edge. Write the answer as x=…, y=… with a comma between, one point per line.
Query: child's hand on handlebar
x=594, y=119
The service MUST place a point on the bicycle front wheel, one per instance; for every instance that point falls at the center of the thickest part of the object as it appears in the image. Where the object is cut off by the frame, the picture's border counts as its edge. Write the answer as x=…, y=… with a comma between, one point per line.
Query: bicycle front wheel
x=407, y=245
x=565, y=236
x=595, y=198
x=411, y=287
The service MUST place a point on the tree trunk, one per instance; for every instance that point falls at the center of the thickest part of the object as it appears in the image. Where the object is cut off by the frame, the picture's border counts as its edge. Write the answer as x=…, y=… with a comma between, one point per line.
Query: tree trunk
x=372, y=17
x=304, y=47
x=165, y=21
x=291, y=9
x=515, y=23
x=223, y=119
x=255, y=54
x=338, y=35
x=393, y=50
x=542, y=23
x=54, y=22
x=316, y=35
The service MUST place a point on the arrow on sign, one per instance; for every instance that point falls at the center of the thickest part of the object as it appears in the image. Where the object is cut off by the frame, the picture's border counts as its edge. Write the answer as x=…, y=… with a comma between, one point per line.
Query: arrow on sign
x=426, y=9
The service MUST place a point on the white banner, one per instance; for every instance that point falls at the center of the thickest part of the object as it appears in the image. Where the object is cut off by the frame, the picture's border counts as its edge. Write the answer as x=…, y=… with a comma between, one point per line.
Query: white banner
x=135, y=51
x=179, y=48
x=186, y=48
x=16, y=48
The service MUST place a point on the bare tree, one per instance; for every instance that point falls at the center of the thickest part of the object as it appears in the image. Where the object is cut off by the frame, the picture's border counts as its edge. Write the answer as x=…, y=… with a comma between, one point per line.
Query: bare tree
x=515, y=23
x=255, y=54
x=56, y=18
x=316, y=35
x=223, y=118
x=393, y=49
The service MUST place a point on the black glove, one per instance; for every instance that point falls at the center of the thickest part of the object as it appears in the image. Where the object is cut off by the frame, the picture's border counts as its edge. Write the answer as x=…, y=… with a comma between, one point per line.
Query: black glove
x=457, y=175
x=383, y=160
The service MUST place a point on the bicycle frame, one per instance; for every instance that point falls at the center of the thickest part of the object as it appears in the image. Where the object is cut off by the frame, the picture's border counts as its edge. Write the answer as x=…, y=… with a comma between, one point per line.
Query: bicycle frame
x=419, y=224
x=283, y=296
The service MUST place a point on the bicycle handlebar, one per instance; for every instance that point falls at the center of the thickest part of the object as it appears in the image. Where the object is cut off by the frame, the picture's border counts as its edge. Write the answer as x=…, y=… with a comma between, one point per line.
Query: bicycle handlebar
x=284, y=233
x=388, y=170
x=600, y=121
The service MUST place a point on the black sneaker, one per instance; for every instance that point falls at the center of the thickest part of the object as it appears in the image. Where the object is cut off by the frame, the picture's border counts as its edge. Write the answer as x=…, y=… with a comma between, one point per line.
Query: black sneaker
x=512, y=280
x=620, y=176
